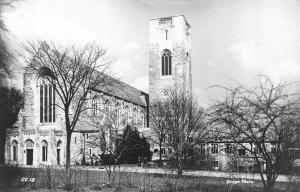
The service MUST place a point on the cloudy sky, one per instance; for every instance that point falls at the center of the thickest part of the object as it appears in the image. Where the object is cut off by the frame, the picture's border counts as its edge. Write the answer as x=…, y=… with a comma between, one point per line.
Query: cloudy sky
x=232, y=40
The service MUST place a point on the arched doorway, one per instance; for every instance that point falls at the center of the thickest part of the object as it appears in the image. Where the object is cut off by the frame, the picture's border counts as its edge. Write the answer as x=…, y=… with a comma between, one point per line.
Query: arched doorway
x=58, y=151
x=29, y=152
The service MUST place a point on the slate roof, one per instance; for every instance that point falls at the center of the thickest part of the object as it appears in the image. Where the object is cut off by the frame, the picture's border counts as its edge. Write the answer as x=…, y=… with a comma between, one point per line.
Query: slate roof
x=121, y=90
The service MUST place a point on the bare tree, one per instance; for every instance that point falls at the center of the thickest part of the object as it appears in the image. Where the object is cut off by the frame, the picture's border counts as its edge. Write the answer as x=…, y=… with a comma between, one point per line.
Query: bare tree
x=5, y=55
x=106, y=138
x=111, y=139
x=184, y=120
x=74, y=73
x=256, y=119
x=158, y=128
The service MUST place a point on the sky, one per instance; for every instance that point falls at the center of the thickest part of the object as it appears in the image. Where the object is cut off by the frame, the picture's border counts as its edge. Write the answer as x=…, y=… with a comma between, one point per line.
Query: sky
x=232, y=40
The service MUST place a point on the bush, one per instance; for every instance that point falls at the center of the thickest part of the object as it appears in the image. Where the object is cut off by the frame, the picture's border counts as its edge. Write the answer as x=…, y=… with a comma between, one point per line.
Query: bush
x=107, y=159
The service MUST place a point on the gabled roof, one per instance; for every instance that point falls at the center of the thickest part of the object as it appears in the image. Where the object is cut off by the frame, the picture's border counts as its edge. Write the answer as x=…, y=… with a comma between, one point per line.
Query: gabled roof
x=123, y=91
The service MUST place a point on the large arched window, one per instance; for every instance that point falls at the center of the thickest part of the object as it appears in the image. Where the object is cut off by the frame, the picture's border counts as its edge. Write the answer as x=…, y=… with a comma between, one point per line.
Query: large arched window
x=47, y=103
x=166, y=62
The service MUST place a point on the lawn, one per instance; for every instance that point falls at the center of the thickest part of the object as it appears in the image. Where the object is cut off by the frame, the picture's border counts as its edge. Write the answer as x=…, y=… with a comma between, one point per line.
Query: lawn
x=50, y=179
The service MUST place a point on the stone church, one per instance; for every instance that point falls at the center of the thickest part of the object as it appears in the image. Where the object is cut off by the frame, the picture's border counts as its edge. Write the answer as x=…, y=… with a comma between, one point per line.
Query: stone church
x=38, y=138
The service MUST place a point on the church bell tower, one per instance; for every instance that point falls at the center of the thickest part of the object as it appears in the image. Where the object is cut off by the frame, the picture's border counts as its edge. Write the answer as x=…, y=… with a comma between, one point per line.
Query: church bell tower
x=169, y=57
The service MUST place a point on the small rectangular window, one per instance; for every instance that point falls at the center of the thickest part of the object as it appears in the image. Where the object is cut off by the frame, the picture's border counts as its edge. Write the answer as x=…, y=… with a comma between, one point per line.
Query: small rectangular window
x=214, y=149
x=163, y=151
x=228, y=149
x=273, y=148
x=215, y=164
x=163, y=138
x=166, y=34
x=170, y=151
x=202, y=148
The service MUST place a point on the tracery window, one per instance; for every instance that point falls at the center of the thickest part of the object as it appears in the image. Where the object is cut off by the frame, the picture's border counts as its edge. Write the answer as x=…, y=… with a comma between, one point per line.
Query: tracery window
x=117, y=113
x=95, y=105
x=126, y=115
x=166, y=62
x=44, y=151
x=47, y=103
x=135, y=115
x=144, y=117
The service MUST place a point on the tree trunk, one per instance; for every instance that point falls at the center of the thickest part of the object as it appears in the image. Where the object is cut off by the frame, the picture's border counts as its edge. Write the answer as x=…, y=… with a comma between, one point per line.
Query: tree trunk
x=179, y=167
x=269, y=185
x=160, y=153
x=68, y=160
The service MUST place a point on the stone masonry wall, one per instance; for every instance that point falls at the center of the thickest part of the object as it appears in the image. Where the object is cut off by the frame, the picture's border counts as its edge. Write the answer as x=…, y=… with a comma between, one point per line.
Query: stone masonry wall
x=178, y=42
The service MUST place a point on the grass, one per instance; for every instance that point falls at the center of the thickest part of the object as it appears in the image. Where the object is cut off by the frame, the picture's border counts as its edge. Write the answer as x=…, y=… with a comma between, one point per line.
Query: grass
x=49, y=179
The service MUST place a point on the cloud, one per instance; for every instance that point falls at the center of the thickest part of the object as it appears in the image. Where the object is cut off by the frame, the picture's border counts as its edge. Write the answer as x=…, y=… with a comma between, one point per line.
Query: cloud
x=142, y=83
x=261, y=59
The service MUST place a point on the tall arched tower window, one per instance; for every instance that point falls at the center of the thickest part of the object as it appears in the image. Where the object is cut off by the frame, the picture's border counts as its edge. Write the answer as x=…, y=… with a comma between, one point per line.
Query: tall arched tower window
x=166, y=62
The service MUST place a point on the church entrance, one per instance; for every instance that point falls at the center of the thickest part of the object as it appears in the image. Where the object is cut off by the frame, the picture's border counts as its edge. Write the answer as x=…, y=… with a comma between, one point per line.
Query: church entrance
x=29, y=156
x=29, y=152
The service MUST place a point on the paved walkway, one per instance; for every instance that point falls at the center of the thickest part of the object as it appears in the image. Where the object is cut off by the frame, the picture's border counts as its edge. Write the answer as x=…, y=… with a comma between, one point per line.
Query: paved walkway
x=229, y=175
